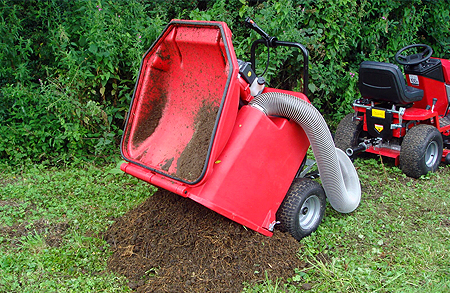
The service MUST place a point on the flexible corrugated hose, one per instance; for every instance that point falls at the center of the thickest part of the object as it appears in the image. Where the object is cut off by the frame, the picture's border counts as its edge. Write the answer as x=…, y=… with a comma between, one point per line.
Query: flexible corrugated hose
x=338, y=175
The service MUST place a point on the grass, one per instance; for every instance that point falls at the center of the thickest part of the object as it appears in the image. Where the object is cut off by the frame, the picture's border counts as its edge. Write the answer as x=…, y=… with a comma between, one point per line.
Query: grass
x=51, y=222
x=396, y=241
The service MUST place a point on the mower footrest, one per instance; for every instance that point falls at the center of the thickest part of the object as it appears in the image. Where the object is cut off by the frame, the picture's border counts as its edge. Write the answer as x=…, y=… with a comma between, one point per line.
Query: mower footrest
x=444, y=121
x=387, y=152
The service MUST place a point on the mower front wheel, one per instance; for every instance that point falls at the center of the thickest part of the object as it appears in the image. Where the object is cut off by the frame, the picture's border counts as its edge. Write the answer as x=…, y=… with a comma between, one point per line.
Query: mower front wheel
x=421, y=150
x=302, y=209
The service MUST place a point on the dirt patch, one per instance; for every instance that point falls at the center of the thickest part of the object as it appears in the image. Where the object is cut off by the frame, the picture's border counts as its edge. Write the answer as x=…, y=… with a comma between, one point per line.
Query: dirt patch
x=9, y=203
x=51, y=232
x=173, y=244
x=9, y=181
x=192, y=159
x=445, y=223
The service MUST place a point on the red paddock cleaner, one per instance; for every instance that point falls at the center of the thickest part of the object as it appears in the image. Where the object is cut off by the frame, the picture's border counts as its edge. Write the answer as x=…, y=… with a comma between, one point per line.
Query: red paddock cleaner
x=204, y=126
x=408, y=121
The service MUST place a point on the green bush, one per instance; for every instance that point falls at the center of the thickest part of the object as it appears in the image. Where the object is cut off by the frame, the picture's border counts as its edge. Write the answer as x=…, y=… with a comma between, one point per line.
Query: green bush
x=43, y=127
x=340, y=34
x=16, y=44
x=75, y=101
x=68, y=68
x=29, y=129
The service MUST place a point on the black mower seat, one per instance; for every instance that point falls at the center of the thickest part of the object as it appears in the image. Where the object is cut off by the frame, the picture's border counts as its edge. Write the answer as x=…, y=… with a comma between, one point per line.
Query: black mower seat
x=385, y=82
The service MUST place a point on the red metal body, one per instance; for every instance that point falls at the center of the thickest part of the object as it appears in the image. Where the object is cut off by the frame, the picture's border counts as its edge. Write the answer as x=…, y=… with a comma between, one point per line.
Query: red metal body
x=188, y=83
x=418, y=112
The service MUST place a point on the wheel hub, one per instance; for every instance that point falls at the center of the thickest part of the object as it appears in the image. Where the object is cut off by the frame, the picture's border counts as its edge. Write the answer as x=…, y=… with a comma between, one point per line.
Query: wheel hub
x=305, y=210
x=431, y=154
x=309, y=212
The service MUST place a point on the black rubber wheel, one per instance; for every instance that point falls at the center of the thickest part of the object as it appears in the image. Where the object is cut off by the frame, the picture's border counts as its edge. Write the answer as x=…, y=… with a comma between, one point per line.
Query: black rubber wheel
x=421, y=150
x=348, y=133
x=302, y=209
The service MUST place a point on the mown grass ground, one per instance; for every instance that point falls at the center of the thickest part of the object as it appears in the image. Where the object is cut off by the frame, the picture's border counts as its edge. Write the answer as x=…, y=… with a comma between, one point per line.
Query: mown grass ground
x=396, y=241
x=51, y=221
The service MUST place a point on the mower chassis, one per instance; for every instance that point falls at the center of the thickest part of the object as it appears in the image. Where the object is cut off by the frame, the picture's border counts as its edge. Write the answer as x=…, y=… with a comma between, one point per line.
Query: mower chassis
x=399, y=117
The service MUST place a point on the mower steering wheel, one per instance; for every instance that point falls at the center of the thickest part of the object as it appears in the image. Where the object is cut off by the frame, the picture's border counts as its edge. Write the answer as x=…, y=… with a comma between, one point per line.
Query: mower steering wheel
x=413, y=59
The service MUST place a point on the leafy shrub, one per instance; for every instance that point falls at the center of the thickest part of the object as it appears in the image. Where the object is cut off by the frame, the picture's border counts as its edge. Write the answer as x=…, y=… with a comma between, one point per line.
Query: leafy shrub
x=40, y=127
x=29, y=129
x=15, y=47
x=68, y=68
x=85, y=90
x=339, y=35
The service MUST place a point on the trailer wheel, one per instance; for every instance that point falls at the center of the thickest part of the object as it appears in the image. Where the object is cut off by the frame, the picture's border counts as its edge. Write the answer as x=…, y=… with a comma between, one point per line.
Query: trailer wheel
x=302, y=209
x=348, y=133
x=421, y=150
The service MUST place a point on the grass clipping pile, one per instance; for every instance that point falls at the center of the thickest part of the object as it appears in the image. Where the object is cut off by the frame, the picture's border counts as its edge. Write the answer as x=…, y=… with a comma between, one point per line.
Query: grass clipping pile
x=173, y=244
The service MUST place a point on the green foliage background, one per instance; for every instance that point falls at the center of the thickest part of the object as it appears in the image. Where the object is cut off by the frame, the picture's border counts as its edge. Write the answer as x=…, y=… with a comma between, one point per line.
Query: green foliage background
x=68, y=68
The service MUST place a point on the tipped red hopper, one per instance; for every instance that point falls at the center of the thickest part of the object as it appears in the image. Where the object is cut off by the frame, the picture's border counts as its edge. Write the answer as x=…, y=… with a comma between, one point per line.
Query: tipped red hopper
x=186, y=131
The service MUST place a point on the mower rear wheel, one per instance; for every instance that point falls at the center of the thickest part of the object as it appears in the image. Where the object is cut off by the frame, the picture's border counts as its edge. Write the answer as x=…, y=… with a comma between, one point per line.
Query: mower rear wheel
x=348, y=133
x=302, y=209
x=421, y=150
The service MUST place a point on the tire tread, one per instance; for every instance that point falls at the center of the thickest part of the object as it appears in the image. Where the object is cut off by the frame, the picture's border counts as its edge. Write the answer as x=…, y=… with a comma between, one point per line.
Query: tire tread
x=413, y=147
x=288, y=211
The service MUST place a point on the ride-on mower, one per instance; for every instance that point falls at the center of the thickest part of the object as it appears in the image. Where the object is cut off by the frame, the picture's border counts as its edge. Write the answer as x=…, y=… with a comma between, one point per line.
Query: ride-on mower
x=407, y=121
x=202, y=125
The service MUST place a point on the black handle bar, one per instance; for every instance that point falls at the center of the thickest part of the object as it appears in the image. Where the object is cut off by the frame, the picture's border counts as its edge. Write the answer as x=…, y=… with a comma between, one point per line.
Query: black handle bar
x=272, y=42
x=251, y=24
